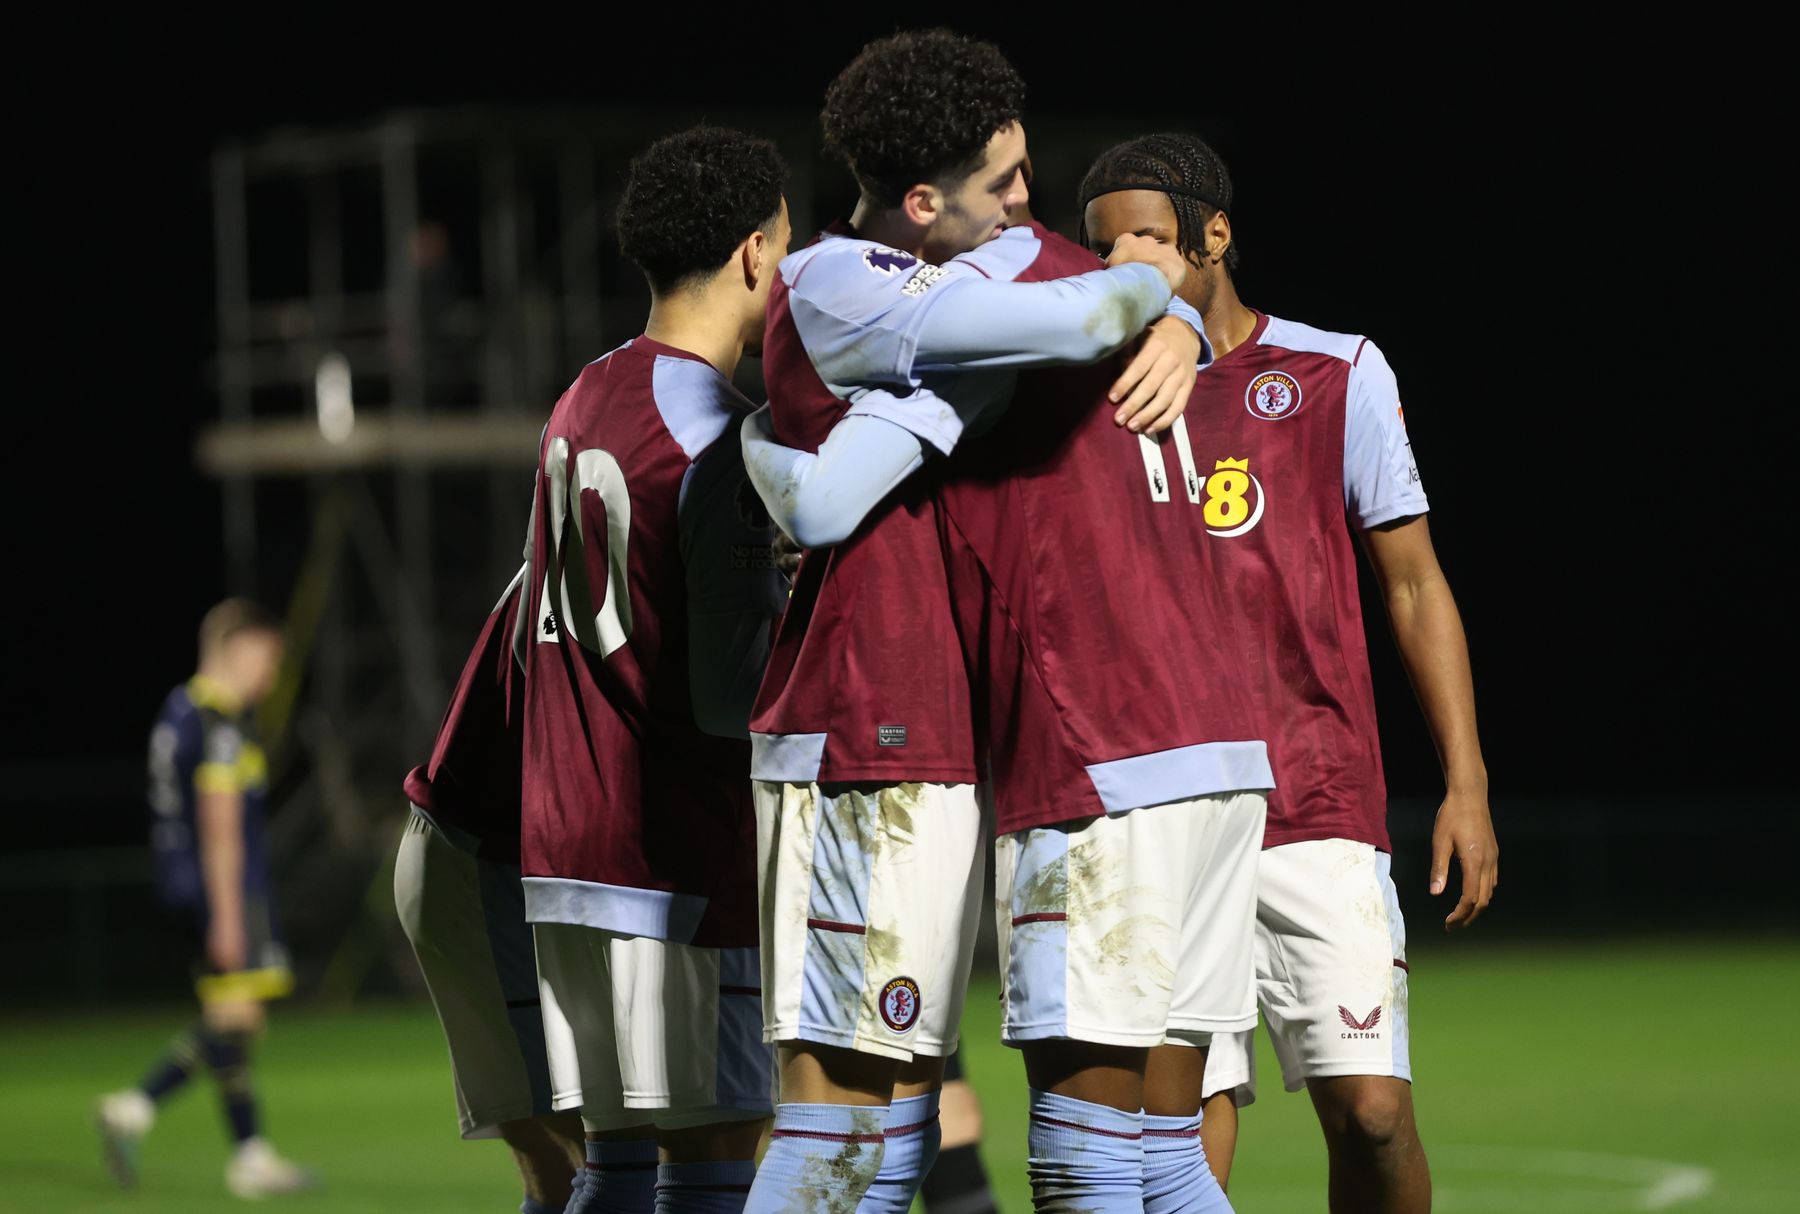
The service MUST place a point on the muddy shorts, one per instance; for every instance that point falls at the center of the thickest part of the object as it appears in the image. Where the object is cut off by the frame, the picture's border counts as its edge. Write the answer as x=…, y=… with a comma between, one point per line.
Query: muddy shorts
x=869, y=896
x=1131, y=929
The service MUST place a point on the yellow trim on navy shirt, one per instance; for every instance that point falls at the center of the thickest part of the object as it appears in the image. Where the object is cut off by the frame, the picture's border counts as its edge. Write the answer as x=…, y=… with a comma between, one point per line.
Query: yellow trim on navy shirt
x=220, y=777
x=252, y=766
x=210, y=693
x=258, y=985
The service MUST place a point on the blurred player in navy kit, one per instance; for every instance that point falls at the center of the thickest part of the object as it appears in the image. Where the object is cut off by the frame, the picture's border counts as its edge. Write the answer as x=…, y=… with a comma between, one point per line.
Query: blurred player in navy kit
x=456, y=887
x=207, y=792
x=1305, y=441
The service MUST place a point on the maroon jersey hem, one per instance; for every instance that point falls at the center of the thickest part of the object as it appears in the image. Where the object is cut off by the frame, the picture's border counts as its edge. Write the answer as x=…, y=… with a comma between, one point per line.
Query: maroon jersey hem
x=898, y=775
x=1274, y=837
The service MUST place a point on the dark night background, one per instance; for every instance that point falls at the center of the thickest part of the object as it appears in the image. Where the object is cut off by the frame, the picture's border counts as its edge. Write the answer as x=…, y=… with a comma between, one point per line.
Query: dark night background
x=1556, y=245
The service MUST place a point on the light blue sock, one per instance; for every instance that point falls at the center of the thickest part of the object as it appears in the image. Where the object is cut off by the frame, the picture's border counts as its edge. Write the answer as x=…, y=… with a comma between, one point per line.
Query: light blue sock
x=1085, y=1157
x=578, y=1190
x=532, y=1205
x=820, y=1157
x=582, y=1186
x=1176, y=1177
x=704, y=1188
x=620, y=1178
x=910, y=1144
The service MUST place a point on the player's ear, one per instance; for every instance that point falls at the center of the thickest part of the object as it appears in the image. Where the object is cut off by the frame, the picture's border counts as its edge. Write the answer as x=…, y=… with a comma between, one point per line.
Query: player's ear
x=752, y=256
x=922, y=204
x=1218, y=236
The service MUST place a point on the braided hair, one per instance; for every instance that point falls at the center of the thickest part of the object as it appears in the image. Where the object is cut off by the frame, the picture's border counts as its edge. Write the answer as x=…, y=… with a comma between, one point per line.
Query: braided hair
x=1181, y=166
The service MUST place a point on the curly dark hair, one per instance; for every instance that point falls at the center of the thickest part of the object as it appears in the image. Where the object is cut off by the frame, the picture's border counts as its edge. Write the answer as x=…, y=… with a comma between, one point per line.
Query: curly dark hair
x=919, y=106
x=693, y=197
x=1181, y=166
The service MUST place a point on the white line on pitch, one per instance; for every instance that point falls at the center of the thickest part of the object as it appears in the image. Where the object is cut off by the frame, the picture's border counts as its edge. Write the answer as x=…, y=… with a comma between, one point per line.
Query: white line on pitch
x=1663, y=1184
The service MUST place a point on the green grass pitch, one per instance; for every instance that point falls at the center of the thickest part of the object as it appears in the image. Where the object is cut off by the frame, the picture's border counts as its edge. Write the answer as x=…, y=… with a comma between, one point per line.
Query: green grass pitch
x=1591, y=1079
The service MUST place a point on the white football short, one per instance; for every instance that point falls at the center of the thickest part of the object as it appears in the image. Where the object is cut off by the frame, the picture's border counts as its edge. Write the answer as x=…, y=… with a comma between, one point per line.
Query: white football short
x=465, y=916
x=1331, y=971
x=1134, y=928
x=869, y=896
x=648, y=1032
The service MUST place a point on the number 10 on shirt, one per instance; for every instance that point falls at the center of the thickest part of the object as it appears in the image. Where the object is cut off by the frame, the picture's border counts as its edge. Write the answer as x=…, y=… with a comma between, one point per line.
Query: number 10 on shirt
x=603, y=630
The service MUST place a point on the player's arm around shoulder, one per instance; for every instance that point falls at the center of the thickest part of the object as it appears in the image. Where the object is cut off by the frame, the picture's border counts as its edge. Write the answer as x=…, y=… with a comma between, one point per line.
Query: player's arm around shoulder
x=871, y=316
x=977, y=315
x=1165, y=336
x=820, y=499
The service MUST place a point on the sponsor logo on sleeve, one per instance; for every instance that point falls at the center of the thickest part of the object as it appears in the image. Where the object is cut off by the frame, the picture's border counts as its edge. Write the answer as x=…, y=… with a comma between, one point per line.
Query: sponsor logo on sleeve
x=887, y=262
x=921, y=281
x=900, y=1004
x=1272, y=396
x=1359, y=1028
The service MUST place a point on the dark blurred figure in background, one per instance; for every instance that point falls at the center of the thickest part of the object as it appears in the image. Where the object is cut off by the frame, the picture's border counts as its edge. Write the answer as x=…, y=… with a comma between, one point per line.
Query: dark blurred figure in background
x=446, y=336
x=456, y=886
x=958, y=1182
x=208, y=788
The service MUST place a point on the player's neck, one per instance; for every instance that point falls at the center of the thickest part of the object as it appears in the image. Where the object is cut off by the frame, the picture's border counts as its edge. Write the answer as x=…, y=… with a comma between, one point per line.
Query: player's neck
x=698, y=324
x=887, y=226
x=1229, y=323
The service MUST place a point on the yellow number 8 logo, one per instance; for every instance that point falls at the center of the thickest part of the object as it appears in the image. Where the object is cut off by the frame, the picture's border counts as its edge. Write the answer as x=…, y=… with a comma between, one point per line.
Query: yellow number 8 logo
x=1225, y=504
x=1228, y=511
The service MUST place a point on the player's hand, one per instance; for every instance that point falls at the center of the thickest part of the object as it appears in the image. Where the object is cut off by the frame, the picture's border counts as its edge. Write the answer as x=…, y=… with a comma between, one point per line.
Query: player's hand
x=1465, y=829
x=227, y=947
x=787, y=554
x=1129, y=249
x=1154, y=390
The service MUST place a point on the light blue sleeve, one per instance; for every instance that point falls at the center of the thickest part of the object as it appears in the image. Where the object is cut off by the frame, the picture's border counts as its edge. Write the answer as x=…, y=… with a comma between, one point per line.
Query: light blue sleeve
x=821, y=499
x=1003, y=259
x=982, y=323
x=734, y=592
x=1180, y=309
x=871, y=317
x=1381, y=480
x=941, y=407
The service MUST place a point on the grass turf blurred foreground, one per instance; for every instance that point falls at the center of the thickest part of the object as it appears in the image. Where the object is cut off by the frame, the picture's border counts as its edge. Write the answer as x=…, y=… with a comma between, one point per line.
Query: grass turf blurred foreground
x=1581, y=1079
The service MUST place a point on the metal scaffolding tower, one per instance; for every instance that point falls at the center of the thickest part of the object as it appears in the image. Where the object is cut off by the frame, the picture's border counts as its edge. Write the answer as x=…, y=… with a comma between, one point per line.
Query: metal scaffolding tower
x=399, y=305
